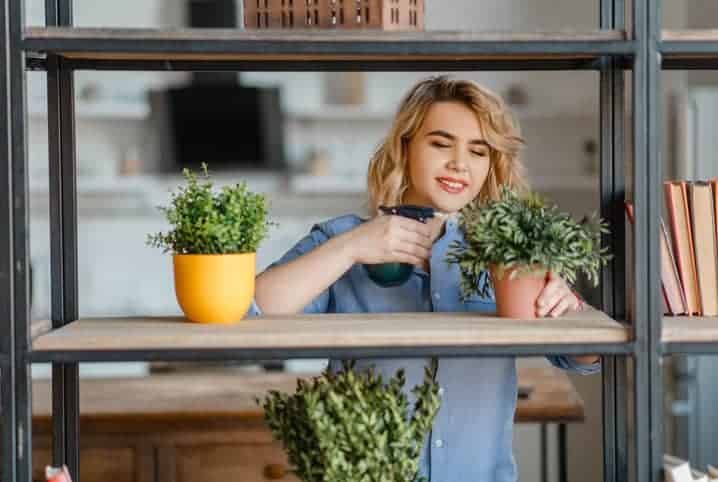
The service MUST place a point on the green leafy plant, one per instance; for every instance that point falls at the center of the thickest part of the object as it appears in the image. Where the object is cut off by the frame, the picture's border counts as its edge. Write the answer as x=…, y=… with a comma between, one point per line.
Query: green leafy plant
x=203, y=221
x=519, y=230
x=350, y=426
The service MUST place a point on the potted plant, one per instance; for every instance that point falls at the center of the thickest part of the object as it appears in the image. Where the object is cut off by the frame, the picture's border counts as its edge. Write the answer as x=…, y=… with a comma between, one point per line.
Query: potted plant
x=214, y=237
x=518, y=239
x=349, y=425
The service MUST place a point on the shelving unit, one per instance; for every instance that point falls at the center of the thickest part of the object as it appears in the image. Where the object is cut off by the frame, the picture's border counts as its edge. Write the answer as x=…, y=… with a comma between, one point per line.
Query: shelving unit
x=60, y=49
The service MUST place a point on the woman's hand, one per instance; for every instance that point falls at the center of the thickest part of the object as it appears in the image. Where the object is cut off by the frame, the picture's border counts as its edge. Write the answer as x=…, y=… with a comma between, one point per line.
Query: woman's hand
x=557, y=298
x=390, y=239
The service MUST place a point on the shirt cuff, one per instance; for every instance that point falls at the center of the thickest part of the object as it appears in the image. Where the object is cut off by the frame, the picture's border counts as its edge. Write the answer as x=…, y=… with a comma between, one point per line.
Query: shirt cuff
x=254, y=309
x=569, y=363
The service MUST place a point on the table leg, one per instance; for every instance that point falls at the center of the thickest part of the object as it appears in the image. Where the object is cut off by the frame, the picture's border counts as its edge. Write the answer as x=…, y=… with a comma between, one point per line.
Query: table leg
x=544, y=454
x=562, y=474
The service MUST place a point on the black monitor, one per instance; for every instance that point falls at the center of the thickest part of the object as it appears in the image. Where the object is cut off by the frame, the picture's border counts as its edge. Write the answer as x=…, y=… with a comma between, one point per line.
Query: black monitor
x=227, y=126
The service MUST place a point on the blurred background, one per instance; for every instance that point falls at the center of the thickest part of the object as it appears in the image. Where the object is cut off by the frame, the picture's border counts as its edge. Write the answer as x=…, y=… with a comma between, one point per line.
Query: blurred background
x=305, y=139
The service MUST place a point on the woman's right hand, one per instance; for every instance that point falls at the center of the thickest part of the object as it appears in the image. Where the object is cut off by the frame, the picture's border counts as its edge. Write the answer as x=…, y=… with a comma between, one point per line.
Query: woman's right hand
x=391, y=239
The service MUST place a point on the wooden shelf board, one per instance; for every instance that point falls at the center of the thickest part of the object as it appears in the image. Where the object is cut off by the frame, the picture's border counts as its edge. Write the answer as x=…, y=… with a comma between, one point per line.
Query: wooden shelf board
x=690, y=329
x=690, y=35
x=689, y=49
x=39, y=328
x=117, y=44
x=332, y=331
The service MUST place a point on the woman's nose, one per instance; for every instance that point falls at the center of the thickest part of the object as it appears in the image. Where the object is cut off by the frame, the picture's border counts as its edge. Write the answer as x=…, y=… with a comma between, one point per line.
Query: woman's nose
x=459, y=161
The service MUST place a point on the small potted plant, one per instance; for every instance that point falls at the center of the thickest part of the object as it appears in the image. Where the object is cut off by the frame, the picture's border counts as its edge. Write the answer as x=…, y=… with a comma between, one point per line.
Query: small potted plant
x=213, y=238
x=518, y=239
x=349, y=425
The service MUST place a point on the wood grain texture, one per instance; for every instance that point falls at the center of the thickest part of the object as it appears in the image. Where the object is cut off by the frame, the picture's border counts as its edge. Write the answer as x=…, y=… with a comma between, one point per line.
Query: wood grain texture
x=328, y=36
x=225, y=400
x=692, y=35
x=333, y=331
x=690, y=329
x=39, y=327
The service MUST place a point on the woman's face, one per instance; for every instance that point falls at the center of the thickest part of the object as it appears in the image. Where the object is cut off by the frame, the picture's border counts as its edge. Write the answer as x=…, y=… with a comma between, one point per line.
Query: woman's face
x=448, y=159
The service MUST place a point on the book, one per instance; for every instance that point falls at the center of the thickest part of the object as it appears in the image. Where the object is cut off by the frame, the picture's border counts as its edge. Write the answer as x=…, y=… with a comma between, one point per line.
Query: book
x=674, y=300
x=669, y=271
x=679, y=470
x=703, y=224
x=682, y=236
x=57, y=474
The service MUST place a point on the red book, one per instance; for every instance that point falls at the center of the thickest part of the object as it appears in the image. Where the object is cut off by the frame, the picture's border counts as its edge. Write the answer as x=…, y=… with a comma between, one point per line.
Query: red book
x=683, y=248
x=674, y=301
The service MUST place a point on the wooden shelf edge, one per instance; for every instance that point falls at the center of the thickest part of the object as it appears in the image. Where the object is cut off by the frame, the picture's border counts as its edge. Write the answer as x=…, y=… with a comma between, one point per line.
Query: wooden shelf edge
x=39, y=328
x=690, y=329
x=117, y=45
x=376, y=330
x=689, y=35
x=295, y=35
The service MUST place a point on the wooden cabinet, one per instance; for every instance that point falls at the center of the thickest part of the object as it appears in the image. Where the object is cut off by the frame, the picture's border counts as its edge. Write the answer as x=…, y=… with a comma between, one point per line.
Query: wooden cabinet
x=115, y=464
x=200, y=427
x=222, y=463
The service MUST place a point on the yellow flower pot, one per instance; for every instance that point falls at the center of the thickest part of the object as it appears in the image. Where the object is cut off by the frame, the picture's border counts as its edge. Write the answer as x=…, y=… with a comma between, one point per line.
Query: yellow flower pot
x=214, y=288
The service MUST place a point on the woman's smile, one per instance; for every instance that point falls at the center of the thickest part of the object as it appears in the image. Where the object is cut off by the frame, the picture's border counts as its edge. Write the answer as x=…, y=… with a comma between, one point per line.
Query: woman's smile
x=452, y=185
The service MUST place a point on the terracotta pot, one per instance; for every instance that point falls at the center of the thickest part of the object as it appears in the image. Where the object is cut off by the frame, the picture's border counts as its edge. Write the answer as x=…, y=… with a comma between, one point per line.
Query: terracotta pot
x=516, y=298
x=214, y=288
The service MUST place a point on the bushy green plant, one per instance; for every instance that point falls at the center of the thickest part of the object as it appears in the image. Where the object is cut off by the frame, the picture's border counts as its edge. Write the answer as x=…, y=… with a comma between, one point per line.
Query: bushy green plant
x=520, y=230
x=350, y=426
x=203, y=221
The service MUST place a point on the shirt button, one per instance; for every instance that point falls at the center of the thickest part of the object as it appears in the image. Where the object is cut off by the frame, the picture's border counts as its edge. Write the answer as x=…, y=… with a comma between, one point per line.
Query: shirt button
x=441, y=391
x=439, y=443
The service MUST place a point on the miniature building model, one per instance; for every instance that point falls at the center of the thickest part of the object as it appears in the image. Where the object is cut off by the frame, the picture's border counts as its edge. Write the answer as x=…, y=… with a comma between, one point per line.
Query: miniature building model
x=334, y=14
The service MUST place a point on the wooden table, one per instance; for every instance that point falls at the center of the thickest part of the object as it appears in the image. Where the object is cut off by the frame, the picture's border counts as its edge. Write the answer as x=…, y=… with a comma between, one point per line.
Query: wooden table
x=151, y=423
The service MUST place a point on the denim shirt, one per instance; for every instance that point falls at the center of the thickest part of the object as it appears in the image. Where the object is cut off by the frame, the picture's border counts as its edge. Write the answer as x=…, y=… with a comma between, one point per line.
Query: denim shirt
x=471, y=439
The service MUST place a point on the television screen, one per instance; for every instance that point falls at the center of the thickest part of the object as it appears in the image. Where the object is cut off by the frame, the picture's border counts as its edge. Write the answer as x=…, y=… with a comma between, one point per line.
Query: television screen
x=227, y=126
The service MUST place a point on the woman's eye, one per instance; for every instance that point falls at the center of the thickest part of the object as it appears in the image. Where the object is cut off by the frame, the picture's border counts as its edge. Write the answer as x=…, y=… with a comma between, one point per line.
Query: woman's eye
x=439, y=145
x=479, y=153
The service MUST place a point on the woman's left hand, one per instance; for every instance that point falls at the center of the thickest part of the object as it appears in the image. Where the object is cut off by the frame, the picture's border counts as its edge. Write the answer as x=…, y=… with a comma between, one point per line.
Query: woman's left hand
x=557, y=298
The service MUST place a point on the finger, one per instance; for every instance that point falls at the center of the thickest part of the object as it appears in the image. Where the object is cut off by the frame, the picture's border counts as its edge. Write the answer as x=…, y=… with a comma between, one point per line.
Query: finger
x=415, y=238
x=548, y=302
x=412, y=249
x=410, y=259
x=414, y=226
x=553, y=288
x=560, y=308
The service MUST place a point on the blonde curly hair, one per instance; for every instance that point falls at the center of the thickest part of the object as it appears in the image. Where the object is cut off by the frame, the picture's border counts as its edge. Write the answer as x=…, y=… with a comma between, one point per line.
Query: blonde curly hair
x=388, y=176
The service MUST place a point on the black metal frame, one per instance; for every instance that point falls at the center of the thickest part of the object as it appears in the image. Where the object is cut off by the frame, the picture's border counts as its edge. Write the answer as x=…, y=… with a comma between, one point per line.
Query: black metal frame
x=613, y=301
x=16, y=290
x=641, y=54
x=7, y=341
x=214, y=354
x=63, y=241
